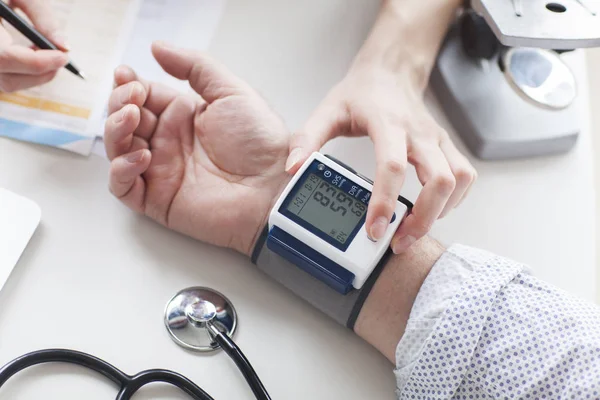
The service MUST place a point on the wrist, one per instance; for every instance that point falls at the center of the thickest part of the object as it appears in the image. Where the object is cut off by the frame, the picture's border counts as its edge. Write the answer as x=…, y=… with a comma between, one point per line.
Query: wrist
x=278, y=183
x=384, y=315
x=392, y=59
x=406, y=38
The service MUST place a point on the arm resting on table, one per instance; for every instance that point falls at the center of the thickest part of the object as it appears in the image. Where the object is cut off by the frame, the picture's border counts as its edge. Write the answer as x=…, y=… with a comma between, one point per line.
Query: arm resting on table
x=473, y=323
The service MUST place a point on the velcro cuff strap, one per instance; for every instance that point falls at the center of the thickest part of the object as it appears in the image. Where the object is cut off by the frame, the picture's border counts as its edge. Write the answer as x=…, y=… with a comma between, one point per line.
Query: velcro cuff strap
x=343, y=308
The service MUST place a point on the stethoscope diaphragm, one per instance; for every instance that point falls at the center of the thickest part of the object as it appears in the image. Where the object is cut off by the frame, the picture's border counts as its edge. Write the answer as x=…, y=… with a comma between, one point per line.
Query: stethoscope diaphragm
x=190, y=313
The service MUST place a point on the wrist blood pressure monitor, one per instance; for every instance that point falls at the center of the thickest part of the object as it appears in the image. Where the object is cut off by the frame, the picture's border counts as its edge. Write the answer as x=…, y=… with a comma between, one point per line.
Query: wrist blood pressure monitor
x=318, y=224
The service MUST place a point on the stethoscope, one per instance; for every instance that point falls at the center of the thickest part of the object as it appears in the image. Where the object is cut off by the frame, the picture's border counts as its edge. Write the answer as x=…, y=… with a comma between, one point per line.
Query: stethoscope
x=197, y=318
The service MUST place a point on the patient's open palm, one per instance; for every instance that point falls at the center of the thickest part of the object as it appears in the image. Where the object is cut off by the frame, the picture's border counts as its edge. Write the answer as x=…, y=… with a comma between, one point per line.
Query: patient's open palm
x=210, y=166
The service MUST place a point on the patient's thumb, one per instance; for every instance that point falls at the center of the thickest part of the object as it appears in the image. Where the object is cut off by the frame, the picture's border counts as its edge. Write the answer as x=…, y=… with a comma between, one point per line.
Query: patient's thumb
x=208, y=77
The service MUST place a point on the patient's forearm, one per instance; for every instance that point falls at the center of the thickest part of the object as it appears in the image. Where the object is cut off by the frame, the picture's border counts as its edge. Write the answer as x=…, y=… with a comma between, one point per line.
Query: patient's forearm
x=406, y=36
x=383, y=317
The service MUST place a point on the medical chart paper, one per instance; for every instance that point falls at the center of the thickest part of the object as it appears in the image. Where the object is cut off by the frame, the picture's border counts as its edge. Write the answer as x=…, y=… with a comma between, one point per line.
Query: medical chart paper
x=185, y=23
x=65, y=112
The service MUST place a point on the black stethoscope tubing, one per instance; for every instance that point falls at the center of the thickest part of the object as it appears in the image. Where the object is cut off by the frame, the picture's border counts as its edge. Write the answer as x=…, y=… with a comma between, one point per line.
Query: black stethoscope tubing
x=130, y=384
x=235, y=353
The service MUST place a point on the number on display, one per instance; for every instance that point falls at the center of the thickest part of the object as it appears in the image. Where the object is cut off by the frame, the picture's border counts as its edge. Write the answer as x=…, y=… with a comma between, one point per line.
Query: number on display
x=342, y=198
x=358, y=209
x=326, y=201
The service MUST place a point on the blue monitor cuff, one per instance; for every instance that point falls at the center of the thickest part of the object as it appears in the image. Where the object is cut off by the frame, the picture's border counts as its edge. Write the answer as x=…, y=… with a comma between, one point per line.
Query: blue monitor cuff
x=343, y=308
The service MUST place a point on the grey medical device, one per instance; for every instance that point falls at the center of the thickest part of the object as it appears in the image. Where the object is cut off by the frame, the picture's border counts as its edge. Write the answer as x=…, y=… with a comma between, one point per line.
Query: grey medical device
x=503, y=79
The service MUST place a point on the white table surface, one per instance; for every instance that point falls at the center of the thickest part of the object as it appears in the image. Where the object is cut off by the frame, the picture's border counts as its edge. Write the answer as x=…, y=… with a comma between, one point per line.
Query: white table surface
x=96, y=277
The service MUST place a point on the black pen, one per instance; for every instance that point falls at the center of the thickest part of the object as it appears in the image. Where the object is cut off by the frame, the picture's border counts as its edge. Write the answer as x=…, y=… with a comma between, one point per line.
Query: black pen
x=32, y=34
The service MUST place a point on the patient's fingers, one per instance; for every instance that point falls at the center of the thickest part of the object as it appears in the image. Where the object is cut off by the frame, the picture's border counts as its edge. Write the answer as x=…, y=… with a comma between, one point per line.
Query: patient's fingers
x=130, y=93
x=158, y=96
x=147, y=125
x=118, y=131
x=138, y=144
x=208, y=78
x=125, y=74
x=125, y=181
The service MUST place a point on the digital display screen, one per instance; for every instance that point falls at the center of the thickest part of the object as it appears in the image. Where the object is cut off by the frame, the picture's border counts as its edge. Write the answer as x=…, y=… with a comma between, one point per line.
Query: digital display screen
x=330, y=203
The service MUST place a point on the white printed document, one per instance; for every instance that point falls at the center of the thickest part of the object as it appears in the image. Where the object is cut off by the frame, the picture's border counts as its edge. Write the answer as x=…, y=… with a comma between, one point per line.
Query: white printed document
x=64, y=112
x=68, y=112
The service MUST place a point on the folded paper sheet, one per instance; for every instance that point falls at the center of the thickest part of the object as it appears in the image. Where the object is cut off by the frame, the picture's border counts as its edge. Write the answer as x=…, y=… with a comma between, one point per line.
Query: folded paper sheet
x=68, y=112
x=65, y=112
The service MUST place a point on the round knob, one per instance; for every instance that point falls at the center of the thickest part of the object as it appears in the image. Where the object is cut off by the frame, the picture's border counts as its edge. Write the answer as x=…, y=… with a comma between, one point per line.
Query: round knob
x=200, y=312
x=477, y=37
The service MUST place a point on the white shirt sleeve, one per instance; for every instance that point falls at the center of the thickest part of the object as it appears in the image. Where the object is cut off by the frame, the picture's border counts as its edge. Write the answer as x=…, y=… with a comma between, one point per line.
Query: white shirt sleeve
x=483, y=328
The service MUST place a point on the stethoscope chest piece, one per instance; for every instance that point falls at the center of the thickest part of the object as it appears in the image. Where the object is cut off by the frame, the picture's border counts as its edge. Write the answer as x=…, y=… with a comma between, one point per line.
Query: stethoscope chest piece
x=197, y=318
x=192, y=315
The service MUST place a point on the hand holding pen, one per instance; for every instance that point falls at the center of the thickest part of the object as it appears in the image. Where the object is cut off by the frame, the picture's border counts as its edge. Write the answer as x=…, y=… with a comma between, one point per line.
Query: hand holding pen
x=24, y=67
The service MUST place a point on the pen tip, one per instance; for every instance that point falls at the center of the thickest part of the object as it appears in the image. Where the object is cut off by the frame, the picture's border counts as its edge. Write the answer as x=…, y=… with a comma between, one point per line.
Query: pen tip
x=81, y=75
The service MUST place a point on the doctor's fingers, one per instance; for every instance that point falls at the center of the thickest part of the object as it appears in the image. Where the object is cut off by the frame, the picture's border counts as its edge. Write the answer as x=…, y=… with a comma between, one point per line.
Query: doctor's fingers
x=125, y=180
x=391, y=159
x=119, y=137
x=15, y=82
x=438, y=185
x=26, y=61
x=325, y=123
x=41, y=15
x=463, y=172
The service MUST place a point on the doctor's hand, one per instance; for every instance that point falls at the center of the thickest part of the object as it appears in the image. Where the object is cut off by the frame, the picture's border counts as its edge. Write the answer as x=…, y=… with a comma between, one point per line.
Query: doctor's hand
x=23, y=67
x=209, y=165
x=388, y=106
